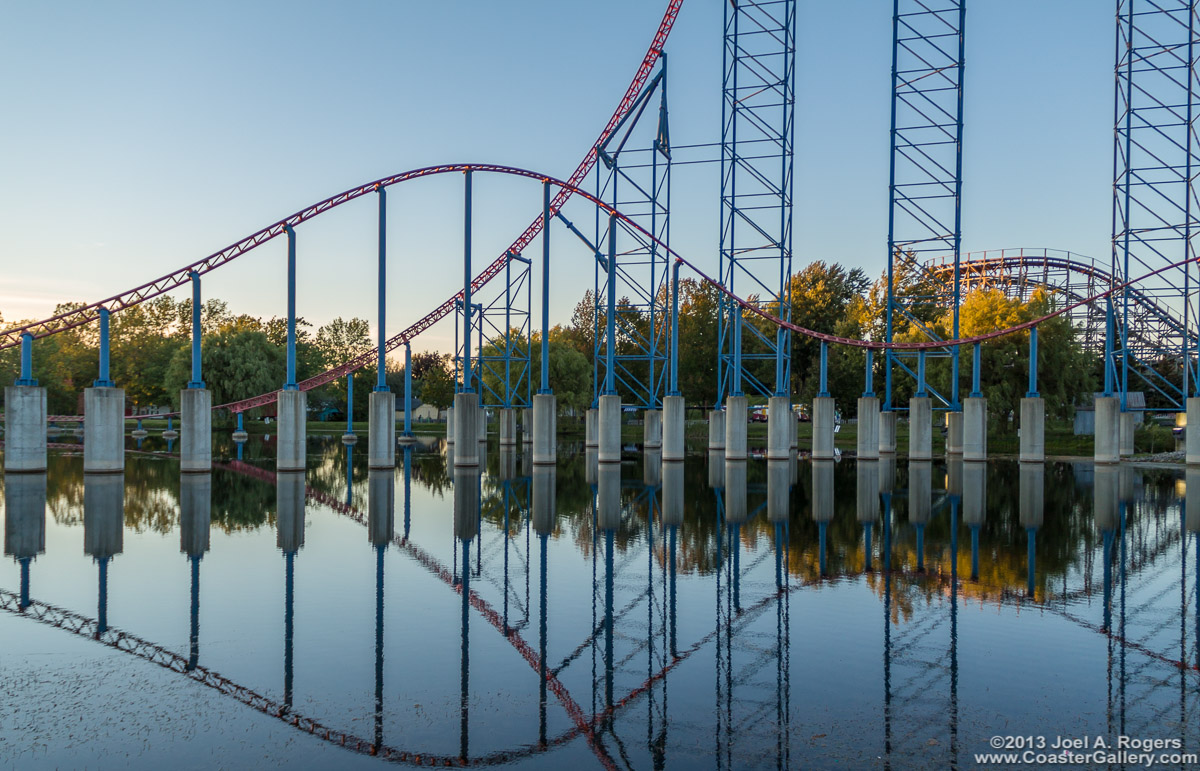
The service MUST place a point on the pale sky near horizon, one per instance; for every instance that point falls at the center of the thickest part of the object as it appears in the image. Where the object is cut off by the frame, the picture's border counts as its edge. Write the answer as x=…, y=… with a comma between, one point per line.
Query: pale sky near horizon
x=141, y=136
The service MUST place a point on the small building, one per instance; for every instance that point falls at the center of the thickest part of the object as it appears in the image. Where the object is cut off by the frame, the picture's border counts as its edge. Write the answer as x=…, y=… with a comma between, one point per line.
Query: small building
x=421, y=412
x=1085, y=417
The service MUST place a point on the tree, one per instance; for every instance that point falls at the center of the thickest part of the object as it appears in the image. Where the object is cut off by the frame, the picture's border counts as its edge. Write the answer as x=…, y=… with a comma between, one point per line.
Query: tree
x=237, y=364
x=341, y=341
x=437, y=386
x=570, y=374
x=699, y=324
x=822, y=296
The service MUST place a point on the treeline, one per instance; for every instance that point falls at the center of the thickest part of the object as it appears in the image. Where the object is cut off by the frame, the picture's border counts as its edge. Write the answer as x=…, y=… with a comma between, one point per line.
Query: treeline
x=241, y=356
x=244, y=355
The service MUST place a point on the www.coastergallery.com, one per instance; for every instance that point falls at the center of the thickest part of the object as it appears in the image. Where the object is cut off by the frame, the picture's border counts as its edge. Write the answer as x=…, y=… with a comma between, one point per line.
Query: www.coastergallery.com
x=1093, y=758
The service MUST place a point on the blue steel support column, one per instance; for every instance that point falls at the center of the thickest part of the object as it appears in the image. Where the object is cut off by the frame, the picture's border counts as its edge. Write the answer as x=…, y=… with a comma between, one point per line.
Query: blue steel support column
x=1108, y=347
x=611, y=345
x=350, y=402
x=1033, y=389
x=290, y=384
x=824, y=389
x=869, y=387
x=407, y=389
x=26, y=378
x=466, y=366
x=508, y=399
x=921, y=373
x=674, y=389
x=381, y=365
x=545, y=387
x=197, y=381
x=103, y=381
x=975, y=365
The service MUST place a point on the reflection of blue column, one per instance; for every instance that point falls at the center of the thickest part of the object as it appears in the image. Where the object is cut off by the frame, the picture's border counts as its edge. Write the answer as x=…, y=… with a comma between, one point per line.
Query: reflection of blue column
x=974, y=552
x=920, y=547
x=288, y=617
x=867, y=545
x=102, y=598
x=736, y=547
x=465, y=672
x=674, y=531
x=821, y=527
x=194, y=636
x=408, y=450
x=1108, y=543
x=379, y=550
x=778, y=554
x=24, y=602
x=1031, y=559
x=887, y=532
x=954, y=629
x=608, y=619
x=542, y=538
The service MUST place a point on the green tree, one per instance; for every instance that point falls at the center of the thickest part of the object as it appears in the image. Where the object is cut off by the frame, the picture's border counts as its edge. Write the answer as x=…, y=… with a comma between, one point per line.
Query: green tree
x=338, y=342
x=437, y=385
x=237, y=364
x=570, y=373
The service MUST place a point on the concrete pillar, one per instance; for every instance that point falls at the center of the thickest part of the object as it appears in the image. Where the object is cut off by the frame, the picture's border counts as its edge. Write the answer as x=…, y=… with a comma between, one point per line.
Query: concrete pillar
x=195, y=451
x=466, y=430
x=1191, y=431
x=779, y=486
x=466, y=500
x=716, y=429
x=544, y=425
x=920, y=428
x=289, y=511
x=25, y=513
x=1106, y=497
x=954, y=433
x=1033, y=430
x=652, y=468
x=1126, y=433
x=24, y=428
x=195, y=511
x=822, y=491
x=544, y=514
x=482, y=425
x=887, y=474
x=652, y=429
x=527, y=425
x=1031, y=495
x=381, y=504
x=104, y=437
x=868, y=427
x=608, y=497
x=609, y=418
x=795, y=432
x=672, y=493
x=867, y=479
x=508, y=427
x=735, y=427
x=591, y=424
x=975, y=429
x=887, y=433
x=381, y=430
x=674, y=426
x=822, y=422
x=508, y=463
x=974, y=493
x=1191, y=504
x=450, y=426
x=779, y=428
x=291, y=450
x=920, y=491
x=735, y=491
x=1108, y=430
x=716, y=469
x=103, y=515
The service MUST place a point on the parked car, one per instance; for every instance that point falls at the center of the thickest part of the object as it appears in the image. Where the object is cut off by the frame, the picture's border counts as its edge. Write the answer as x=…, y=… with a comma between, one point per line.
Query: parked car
x=759, y=415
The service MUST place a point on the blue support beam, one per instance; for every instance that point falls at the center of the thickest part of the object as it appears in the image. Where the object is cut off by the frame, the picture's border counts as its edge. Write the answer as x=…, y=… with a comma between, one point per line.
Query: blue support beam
x=611, y=320
x=26, y=378
x=466, y=369
x=976, y=364
x=674, y=389
x=350, y=402
x=197, y=381
x=407, y=389
x=921, y=392
x=824, y=388
x=103, y=381
x=869, y=377
x=290, y=383
x=1033, y=364
x=381, y=364
x=545, y=387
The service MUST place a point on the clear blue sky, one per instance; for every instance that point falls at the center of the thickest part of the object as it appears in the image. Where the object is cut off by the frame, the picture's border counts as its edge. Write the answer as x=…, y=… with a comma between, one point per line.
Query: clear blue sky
x=140, y=136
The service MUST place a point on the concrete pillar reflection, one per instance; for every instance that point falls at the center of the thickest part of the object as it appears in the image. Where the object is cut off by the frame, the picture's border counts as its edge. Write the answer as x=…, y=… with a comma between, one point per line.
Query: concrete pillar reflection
x=974, y=506
x=822, y=505
x=1031, y=508
x=289, y=537
x=608, y=519
x=920, y=502
x=867, y=481
x=381, y=506
x=195, y=524
x=103, y=531
x=24, y=523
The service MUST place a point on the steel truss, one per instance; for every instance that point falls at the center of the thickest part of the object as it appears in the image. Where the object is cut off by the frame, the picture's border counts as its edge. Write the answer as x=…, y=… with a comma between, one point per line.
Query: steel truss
x=757, y=133
x=1071, y=278
x=1154, y=192
x=501, y=367
x=926, y=172
x=637, y=181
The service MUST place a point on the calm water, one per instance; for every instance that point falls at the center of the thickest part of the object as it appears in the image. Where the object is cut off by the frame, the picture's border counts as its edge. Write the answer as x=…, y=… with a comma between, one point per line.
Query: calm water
x=704, y=615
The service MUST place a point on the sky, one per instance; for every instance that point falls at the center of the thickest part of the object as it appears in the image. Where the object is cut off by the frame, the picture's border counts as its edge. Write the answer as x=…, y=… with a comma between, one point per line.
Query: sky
x=140, y=136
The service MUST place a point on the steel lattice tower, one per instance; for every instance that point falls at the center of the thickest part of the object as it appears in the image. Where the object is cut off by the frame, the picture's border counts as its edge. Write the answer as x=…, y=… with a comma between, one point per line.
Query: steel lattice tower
x=757, y=133
x=926, y=171
x=1154, y=193
x=635, y=177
